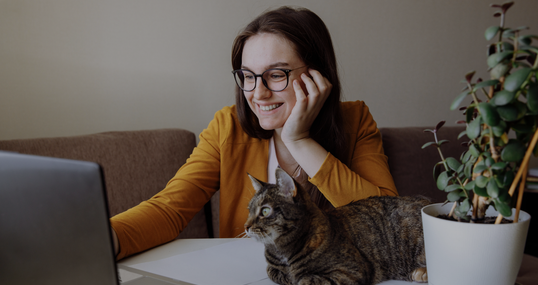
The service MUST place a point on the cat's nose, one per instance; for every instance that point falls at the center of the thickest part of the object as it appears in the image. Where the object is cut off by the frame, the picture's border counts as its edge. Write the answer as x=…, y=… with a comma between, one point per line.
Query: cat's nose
x=247, y=226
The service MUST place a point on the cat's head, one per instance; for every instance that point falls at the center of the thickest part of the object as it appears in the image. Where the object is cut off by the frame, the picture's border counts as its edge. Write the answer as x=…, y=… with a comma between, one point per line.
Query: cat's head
x=276, y=209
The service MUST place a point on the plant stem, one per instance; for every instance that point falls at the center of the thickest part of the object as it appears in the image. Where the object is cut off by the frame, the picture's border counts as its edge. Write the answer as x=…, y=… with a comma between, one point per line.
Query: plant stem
x=452, y=210
x=494, y=153
x=475, y=207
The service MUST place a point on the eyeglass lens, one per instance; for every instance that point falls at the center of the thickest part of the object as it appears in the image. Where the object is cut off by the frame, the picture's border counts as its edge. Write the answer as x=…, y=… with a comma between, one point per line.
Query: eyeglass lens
x=273, y=79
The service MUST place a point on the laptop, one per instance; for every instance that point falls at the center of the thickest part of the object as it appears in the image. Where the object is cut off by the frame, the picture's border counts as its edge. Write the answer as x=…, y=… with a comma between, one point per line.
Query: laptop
x=54, y=223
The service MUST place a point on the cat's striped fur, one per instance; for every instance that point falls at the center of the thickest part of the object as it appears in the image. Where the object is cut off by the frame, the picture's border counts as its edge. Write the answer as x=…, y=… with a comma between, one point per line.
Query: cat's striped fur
x=365, y=242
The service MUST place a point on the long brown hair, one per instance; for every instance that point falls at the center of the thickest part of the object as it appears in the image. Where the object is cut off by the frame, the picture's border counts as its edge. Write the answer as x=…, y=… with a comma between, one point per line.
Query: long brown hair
x=313, y=44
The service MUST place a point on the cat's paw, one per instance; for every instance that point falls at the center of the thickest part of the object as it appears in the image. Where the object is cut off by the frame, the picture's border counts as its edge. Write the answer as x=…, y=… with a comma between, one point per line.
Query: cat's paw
x=420, y=275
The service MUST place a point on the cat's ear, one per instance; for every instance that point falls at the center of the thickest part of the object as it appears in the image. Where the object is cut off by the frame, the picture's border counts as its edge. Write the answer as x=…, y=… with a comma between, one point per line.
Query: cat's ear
x=257, y=184
x=285, y=183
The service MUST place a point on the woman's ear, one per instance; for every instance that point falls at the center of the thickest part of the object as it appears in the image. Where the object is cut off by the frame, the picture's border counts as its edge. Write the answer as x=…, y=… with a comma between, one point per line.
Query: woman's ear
x=285, y=183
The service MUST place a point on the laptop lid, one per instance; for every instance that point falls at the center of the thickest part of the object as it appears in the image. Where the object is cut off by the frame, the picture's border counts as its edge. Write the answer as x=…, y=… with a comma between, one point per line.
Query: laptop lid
x=54, y=225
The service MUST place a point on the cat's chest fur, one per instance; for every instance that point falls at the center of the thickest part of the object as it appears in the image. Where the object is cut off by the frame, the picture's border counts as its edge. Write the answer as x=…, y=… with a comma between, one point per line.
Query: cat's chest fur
x=365, y=242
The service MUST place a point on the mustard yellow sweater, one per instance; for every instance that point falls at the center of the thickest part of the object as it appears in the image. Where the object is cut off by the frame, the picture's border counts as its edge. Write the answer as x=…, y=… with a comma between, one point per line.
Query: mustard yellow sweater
x=221, y=161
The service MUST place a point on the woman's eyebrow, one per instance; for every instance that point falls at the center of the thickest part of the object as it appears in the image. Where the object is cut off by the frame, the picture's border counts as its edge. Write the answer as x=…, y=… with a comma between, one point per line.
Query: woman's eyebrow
x=273, y=65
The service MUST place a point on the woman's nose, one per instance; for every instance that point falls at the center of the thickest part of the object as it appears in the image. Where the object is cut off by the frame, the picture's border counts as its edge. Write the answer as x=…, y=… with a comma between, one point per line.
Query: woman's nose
x=261, y=92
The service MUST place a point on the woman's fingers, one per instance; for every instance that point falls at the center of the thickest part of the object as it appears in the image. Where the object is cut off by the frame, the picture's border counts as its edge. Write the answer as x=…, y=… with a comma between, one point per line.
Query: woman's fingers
x=307, y=106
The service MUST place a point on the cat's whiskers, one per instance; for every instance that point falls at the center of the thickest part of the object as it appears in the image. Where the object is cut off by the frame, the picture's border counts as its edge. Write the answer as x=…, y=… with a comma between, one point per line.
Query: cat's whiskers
x=266, y=239
x=242, y=235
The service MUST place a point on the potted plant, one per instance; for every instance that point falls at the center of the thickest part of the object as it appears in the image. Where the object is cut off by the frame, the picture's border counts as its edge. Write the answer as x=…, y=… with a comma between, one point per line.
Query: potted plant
x=501, y=124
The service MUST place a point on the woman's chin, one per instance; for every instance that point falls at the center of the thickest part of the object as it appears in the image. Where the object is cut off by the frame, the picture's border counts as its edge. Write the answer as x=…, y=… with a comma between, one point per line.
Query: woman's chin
x=270, y=126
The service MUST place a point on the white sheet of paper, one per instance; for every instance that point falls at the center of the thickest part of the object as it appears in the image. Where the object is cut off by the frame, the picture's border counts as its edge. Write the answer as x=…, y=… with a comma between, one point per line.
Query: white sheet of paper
x=231, y=263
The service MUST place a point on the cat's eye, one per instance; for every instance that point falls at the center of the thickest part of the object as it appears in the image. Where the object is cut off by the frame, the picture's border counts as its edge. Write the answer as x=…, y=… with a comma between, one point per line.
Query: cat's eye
x=265, y=211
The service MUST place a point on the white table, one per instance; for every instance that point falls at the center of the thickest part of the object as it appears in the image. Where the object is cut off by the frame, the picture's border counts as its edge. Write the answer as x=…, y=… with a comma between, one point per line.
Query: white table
x=164, y=261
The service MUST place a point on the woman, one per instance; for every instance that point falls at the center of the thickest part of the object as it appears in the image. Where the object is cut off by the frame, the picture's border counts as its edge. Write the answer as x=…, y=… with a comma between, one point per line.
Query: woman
x=288, y=114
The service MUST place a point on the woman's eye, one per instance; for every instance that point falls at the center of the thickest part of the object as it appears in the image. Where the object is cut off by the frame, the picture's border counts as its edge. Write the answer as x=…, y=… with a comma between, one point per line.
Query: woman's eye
x=278, y=76
x=265, y=211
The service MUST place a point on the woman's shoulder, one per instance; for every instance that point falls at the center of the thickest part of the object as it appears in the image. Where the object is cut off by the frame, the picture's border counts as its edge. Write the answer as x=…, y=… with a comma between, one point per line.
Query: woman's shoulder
x=357, y=117
x=354, y=110
x=353, y=106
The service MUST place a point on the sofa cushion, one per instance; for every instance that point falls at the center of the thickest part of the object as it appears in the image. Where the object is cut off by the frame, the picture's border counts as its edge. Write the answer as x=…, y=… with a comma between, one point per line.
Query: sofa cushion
x=136, y=164
x=411, y=166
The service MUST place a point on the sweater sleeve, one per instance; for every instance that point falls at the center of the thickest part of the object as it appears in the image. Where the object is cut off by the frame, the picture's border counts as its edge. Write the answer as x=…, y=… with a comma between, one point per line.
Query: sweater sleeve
x=366, y=172
x=161, y=218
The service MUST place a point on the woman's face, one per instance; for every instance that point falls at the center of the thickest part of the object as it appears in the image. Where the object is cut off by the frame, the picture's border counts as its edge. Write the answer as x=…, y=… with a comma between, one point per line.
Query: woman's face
x=265, y=51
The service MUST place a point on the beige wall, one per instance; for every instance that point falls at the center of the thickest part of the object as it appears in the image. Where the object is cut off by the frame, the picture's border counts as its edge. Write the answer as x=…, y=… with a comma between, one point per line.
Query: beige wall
x=70, y=67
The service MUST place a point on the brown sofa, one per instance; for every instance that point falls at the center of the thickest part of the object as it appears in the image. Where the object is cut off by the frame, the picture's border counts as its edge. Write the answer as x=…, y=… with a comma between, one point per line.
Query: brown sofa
x=138, y=164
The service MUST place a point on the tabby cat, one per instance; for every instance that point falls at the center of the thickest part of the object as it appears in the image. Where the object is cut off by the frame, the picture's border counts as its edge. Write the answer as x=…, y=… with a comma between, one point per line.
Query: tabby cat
x=364, y=242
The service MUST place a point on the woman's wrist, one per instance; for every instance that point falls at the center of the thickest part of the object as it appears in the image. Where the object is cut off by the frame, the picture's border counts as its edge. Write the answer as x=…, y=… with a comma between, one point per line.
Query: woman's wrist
x=308, y=153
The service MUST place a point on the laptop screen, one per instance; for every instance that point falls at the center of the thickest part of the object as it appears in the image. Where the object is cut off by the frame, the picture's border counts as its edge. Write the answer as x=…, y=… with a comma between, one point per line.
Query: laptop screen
x=54, y=226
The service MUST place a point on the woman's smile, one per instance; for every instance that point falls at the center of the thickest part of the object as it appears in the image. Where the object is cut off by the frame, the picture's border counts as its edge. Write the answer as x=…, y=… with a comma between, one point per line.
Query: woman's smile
x=270, y=107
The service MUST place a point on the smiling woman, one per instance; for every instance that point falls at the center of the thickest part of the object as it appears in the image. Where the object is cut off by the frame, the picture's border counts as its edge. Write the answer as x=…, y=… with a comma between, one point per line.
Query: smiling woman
x=288, y=114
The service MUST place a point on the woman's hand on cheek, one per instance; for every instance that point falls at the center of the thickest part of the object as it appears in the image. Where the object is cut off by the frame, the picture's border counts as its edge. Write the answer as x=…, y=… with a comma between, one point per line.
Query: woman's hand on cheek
x=307, y=107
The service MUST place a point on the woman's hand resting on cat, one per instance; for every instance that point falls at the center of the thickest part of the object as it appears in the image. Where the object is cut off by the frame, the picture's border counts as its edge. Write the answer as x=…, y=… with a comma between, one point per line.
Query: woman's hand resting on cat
x=307, y=107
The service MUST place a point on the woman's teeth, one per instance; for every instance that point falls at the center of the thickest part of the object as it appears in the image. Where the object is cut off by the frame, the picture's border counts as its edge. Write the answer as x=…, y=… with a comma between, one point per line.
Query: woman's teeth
x=269, y=107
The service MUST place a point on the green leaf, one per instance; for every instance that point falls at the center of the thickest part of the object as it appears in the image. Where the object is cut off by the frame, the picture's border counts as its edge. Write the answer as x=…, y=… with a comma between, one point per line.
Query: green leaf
x=480, y=191
x=513, y=151
x=470, y=186
x=462, y=134
x=504, y=196
x=503, y=208
x=513, y=81
x=453, y=187
x=469, y=114
x=468, y=171
x=512, y=112
x=489, y=161
x=474, y=128
x=499, y=165
x=465, y=206
x=503, y=97
x=505, y=179
x=500, y=70
x=527, y=39
x=456, y=103
x=453, y=163
x=532, y=97
x=489, y=114
x=524, y=127
x=479, y=168
x=466, y=155
x=491, y=32
x=427, y=144
x=499, y=129
x=454, y=195
x=475, y=152
x=495, y=58
x=481, y=181
x=442, y=180
x=529, y=49
x=486, y=84
x=493, y=189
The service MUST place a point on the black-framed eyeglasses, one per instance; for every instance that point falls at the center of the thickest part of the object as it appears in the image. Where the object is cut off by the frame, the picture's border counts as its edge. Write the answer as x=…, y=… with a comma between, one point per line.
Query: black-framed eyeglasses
x=274, y=79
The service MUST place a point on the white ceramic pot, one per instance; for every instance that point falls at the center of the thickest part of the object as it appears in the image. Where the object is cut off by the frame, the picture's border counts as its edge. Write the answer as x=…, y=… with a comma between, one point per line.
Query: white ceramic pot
x=464, y=253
